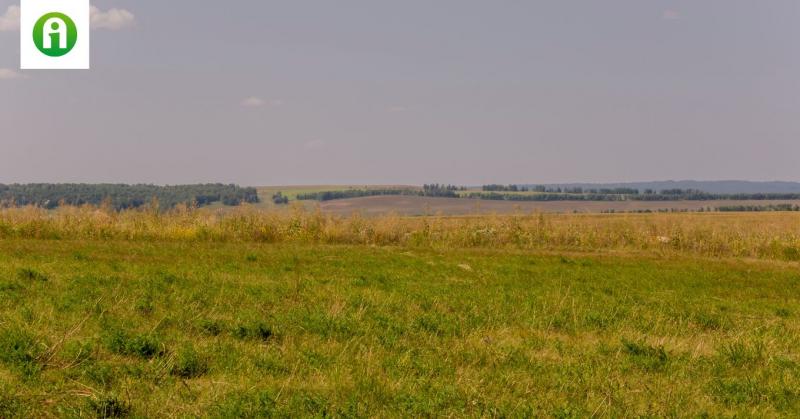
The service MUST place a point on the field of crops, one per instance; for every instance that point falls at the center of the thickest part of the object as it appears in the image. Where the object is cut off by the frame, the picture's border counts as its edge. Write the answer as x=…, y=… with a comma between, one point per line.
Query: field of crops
x=257, y=314
x=418, y=205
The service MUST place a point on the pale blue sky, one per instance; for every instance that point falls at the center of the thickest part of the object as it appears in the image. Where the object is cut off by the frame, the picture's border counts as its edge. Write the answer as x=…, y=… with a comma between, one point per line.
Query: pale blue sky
x=413, y=91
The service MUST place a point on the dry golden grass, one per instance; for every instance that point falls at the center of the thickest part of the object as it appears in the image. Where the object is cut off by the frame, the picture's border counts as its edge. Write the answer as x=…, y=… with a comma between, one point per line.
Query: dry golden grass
x=757, y=235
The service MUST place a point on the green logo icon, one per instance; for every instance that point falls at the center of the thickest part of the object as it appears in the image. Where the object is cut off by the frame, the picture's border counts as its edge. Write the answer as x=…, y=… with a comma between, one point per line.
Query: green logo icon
x=55, y=34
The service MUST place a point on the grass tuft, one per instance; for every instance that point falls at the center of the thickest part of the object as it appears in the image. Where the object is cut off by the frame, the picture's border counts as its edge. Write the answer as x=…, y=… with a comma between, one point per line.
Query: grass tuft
x=143, y=346
x=27, y=274
x=109, y=406
x=145, y=305
x=783, y=313
x=20, y=352
x=254, y=331
x=210, y=327
x=648, y=357
x=740, y=354
x=188, y=363
x=709, y=322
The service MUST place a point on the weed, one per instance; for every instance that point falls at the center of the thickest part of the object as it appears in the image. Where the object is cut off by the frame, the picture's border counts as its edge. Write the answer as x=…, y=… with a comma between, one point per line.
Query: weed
x=568, y=412
x=11, y=405
x=708, y=322
x=101, y=373
x=738, y=391
x=144, y=346
x=27, y=274
x=791, y=253
x=259, y=404
x=272, y=364
x=188, y=363
x=645, y=356
x=740, y=354
x=19, y=351
x=210, y=327
x=145, y=305
x=109, y=406
x=254, y=330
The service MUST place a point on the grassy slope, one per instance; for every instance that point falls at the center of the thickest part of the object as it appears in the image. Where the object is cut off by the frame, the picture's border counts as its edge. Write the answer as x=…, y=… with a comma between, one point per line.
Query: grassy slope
x=233, y=329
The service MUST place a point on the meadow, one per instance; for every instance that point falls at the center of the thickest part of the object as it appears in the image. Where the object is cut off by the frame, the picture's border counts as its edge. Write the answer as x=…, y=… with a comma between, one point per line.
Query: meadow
x=249, y=313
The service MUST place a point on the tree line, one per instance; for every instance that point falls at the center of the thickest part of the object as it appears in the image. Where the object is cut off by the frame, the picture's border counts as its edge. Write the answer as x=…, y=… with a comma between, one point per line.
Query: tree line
x=122, y=196
x=759, y=208
x=442, y=191
x=431, y=190
x=512, y=193
x=352, y=193
x=578, y=190
x=625, y=194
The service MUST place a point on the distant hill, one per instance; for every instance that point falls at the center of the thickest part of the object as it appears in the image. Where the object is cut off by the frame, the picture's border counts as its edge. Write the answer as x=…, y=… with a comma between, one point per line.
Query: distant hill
x=714, y=187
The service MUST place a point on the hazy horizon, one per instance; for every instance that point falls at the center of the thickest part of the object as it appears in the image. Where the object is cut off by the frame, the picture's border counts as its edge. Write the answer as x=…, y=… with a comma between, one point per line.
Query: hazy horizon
x=465, y=92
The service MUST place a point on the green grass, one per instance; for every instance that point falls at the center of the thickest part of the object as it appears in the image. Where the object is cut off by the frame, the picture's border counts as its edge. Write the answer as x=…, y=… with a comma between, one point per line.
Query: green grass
x=147, y=329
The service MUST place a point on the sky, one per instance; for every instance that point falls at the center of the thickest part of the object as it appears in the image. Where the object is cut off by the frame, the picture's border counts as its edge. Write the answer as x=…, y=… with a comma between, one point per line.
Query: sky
x=262, y=92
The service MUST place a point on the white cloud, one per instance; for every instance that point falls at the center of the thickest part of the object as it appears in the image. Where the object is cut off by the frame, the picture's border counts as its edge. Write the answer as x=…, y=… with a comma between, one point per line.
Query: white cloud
x=671, y=15
x=113, y=19
x=9, y=21
x=253, y=102
x=314, y=145
x=257, y=102
x=9, y=74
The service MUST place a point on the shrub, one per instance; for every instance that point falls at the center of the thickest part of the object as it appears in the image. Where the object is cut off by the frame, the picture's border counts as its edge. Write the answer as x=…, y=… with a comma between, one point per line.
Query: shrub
x=280, y=199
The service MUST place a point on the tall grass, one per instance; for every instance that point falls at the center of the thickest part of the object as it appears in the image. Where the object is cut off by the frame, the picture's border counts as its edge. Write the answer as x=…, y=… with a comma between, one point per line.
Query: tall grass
x=762, y=235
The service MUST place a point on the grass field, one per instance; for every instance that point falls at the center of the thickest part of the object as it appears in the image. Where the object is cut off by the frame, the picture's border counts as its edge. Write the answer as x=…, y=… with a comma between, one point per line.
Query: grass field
x=100, y=316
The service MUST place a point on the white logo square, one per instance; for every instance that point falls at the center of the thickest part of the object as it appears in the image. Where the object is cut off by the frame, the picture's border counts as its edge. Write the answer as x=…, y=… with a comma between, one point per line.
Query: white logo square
x=54, y=34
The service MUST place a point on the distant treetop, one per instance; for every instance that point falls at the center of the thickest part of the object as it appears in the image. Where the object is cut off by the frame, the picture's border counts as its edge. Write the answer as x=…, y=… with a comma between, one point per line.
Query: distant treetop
x=121, y=196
